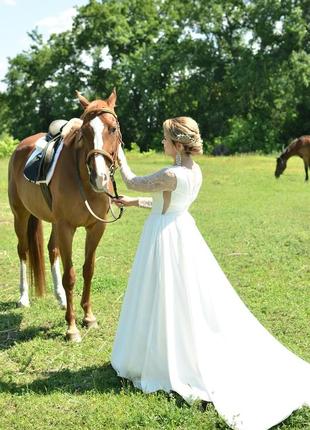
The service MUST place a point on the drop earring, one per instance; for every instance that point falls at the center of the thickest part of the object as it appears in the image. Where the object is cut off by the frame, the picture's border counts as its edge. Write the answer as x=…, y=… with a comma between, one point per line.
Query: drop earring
x=178, y=159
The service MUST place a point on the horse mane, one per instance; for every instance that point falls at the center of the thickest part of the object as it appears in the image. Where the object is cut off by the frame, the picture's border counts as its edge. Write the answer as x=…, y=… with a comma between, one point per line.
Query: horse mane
x=291, y=146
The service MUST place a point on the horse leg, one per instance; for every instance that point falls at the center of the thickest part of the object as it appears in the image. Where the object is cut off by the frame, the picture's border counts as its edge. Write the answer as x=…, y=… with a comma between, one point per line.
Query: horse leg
x=53, y=252
x=306, y=170
x=21, y=225
x=93, y=237
x=65, y=233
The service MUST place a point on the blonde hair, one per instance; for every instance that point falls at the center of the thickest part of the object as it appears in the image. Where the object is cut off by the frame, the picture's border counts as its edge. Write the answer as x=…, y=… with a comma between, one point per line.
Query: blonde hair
x=184, y=130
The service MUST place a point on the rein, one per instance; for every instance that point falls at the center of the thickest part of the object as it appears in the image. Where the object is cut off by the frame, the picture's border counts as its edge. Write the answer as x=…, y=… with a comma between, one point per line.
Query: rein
x=112, y=169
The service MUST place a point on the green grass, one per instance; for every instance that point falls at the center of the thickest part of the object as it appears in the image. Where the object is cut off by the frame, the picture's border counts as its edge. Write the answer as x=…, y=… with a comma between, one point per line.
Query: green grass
x=257, y=227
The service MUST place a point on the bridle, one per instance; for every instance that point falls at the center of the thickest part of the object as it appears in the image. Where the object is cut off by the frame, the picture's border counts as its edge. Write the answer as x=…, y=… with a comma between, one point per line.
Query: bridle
x=112, y=169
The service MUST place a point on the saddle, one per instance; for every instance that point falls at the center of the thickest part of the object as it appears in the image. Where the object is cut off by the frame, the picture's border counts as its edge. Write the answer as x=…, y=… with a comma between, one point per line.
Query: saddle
x=41, y=163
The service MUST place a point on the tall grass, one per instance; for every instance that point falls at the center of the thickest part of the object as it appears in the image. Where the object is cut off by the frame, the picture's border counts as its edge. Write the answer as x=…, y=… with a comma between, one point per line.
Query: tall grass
x=257, y=227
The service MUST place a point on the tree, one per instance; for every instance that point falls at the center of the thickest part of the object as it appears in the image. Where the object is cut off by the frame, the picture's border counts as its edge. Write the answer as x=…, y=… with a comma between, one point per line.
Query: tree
x=240, y=67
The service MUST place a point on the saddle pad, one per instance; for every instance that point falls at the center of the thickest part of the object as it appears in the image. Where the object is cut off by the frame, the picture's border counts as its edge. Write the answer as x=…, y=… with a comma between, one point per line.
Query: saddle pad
x=33, y=167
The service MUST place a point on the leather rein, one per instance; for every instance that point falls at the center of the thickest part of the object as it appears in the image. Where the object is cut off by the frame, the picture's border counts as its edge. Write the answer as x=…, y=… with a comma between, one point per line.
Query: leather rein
x=112, y=169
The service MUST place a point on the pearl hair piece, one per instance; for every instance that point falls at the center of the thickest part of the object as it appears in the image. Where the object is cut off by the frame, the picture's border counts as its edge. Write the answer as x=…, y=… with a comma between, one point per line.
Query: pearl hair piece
x=182, y=136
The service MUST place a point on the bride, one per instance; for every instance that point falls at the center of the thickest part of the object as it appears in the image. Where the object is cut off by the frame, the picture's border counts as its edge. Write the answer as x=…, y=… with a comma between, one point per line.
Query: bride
x=183, y=327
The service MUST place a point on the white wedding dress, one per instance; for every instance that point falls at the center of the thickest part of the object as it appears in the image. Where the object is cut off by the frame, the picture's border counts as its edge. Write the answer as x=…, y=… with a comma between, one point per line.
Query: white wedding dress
x=184, y=328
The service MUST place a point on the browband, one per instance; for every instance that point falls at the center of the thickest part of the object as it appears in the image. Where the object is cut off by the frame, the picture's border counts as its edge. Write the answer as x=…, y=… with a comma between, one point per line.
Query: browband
x=99, y=112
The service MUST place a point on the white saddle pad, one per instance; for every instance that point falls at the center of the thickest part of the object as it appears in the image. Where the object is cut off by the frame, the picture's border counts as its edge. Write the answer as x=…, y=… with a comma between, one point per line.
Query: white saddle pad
x=39, y=146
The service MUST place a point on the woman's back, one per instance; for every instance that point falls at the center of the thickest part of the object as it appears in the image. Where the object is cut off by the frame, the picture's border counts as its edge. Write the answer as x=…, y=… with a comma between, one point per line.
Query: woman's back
x=179, y=200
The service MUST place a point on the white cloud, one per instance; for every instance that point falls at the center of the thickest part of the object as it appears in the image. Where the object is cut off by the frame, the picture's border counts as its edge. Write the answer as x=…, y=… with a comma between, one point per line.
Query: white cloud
x=8, y=2
x=58, y=23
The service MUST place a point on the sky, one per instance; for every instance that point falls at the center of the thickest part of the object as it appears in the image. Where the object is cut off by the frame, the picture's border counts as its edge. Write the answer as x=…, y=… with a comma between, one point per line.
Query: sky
x=17, y=17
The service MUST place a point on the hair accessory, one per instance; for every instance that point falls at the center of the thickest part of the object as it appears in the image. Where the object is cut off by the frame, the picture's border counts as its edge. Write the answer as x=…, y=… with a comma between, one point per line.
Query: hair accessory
x=182, y=137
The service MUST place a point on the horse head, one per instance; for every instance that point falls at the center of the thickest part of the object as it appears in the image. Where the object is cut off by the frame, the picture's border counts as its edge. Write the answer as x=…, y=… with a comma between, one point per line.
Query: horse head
x=101, y=137
x=280, y=167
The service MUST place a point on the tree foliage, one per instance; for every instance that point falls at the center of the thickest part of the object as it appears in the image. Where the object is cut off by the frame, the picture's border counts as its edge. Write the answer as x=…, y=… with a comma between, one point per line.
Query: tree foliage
x=239, y=67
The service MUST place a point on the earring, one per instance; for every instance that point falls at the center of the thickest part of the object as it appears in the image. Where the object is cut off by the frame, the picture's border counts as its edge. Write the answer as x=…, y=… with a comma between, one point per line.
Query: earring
x=178, y=159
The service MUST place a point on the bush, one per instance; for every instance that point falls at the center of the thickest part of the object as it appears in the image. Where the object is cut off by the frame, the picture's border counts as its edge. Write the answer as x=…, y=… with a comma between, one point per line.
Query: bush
x=7, y=144
x=136, y=150
x=246, y=135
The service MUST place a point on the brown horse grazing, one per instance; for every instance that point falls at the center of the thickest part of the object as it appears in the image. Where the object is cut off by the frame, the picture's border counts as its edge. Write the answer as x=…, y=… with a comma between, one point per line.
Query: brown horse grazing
x=300, y=147
x=78, y=188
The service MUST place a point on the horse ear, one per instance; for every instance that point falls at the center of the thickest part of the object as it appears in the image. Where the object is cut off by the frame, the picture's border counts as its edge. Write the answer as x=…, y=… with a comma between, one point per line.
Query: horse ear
x=83, y=100
x=112, y=99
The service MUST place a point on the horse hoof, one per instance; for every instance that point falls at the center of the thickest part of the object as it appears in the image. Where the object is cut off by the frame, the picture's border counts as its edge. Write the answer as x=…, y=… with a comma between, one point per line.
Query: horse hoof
x=73, y=337
x=23, y=304
x=90, y=323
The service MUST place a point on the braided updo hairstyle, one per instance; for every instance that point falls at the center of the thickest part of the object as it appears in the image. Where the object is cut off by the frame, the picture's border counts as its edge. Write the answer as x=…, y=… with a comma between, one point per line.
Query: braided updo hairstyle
x=184, y=130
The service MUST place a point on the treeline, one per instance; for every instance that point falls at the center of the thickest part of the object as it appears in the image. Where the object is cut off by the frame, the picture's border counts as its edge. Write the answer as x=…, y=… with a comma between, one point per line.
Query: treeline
x=241, y=68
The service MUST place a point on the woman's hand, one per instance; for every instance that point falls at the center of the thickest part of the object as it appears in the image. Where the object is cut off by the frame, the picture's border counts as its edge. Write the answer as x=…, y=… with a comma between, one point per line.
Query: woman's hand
x=126, y=201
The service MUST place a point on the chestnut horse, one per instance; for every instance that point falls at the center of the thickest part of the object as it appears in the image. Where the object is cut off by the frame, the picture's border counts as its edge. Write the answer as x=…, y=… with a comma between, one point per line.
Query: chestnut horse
x=300, y=147
x=78, y=187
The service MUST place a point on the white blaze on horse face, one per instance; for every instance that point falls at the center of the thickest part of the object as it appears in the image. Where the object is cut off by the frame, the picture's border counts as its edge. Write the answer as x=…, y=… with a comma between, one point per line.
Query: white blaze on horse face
x=101, y=167
x=57, y=281
x=23, y=285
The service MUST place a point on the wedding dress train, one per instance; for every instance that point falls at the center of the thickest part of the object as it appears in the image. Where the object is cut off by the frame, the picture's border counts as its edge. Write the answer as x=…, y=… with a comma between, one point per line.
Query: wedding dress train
x=184, y=328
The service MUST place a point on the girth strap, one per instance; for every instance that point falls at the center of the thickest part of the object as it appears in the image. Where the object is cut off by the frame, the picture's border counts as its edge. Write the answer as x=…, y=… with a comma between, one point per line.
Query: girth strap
x=47, y=194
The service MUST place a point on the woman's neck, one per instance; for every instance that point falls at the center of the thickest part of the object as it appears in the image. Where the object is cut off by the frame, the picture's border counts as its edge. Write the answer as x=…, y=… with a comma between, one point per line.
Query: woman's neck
x=186, y=161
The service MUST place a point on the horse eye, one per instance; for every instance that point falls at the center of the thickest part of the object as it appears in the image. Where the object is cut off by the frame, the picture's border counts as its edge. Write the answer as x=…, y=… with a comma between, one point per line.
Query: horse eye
x=112, y=130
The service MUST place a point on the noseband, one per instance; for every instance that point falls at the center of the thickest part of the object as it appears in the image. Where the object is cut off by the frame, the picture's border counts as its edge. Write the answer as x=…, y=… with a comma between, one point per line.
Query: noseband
x=112, y=169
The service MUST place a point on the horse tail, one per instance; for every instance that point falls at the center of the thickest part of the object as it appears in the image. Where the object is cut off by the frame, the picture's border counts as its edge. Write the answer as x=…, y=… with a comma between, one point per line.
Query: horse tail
x=36, y=255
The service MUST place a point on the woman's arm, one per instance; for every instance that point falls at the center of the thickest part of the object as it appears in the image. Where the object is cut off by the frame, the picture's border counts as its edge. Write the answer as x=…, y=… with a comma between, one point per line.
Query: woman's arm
x=141, y=202
x=145, y=202
x=163, y=180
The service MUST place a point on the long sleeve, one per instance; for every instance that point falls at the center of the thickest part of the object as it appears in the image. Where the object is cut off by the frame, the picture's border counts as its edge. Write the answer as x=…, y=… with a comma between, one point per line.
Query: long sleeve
x=145, y=202
x=163, y=180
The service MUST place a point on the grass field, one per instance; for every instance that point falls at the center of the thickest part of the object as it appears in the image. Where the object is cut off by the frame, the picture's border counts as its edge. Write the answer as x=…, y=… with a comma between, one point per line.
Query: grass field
x=258, y=229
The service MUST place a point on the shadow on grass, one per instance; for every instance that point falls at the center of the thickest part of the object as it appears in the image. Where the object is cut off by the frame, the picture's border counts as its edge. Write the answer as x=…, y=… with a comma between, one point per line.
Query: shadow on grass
x=6, y=306
x=97, y=379
x=102, y=379
x=11, y=332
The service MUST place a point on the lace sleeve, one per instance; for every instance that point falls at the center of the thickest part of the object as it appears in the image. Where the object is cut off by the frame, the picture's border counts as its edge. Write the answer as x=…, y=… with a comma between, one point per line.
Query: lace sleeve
x=163, y=180
x=145, y=202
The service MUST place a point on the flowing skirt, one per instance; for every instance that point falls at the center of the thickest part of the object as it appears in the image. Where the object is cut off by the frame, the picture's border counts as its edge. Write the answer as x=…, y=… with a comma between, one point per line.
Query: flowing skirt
x=184, y=328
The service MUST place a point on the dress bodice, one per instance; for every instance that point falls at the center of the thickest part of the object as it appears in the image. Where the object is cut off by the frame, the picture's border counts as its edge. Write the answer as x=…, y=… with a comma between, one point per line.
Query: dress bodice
x=188, y=185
